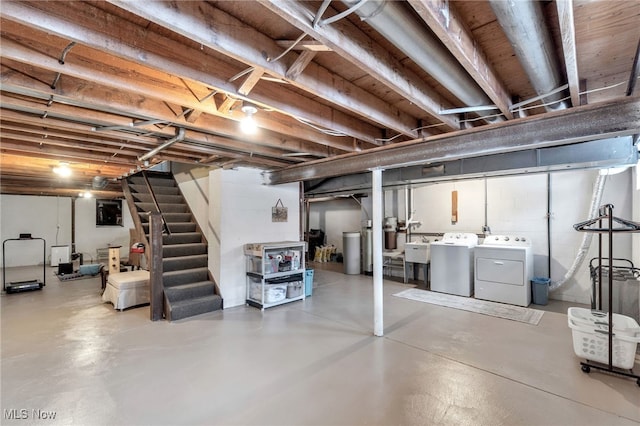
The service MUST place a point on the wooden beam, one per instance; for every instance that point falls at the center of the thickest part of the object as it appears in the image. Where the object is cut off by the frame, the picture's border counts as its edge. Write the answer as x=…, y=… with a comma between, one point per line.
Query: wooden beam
x=15, y=164
x=209, y=129
x=76, y=145
x=443, y=19
x=214, y=28
x=312, y=45
x=250, y=81
x=134, y=95
x=192, y=116
x=83, y=23
x=356, y=47
x=28, y=145
x=79, y=129
x=227, y=105
x=76, y=151
x=300, y=64
x=205, y=144
x=568, y=34
x=156, y=285
x=69, y=139
x=578, y=124
x=17, y=189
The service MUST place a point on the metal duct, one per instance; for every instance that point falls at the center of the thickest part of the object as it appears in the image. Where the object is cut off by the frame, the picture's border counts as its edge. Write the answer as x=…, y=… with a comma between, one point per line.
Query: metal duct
x=178, y=138
x=524, y=25
x=392, y=20
x=99, y=182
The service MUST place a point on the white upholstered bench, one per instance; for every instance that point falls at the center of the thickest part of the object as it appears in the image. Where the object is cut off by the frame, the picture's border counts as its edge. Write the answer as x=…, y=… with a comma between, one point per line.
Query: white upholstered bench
x=126, y=289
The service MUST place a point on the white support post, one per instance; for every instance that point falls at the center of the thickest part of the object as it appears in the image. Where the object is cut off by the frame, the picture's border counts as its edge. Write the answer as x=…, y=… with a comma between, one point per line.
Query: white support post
x=378, y=322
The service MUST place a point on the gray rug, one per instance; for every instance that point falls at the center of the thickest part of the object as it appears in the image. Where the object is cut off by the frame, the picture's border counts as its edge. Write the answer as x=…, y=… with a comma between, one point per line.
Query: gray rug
x=500, y=310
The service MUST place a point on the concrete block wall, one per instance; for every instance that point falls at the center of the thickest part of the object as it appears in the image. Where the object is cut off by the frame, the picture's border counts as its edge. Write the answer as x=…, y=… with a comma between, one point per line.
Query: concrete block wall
x=518, y=205
x=514, y=205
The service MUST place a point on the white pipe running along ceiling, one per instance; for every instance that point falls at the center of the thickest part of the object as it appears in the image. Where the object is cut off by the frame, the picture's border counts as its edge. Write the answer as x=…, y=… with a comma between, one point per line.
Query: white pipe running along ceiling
x=522, y=21
x=396, y=23
x=524, y=25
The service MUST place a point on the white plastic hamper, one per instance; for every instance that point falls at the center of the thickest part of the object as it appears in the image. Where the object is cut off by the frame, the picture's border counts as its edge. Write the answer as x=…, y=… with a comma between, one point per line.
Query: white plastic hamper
x=591, y=337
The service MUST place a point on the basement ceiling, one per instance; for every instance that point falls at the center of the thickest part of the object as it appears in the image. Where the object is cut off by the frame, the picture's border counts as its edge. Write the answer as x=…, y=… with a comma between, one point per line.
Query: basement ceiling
x=101, y=85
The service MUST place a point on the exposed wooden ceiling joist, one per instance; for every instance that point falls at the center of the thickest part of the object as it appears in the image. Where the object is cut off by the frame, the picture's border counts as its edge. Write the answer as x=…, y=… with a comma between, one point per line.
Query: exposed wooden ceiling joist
x=82, y=23
x=352, y=44
x=233, y=38
x=121, y=78
x=444, y=21
x=568, y=34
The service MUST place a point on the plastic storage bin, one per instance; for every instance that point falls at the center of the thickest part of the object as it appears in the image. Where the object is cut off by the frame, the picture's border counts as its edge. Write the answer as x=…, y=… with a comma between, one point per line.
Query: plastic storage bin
x=294, y=290
x=591, y=338
x=272, y=293
x=308, y=282
x=540, y=290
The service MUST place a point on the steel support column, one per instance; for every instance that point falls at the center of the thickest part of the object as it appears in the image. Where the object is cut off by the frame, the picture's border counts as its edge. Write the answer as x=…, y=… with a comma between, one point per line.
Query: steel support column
x=376, y=189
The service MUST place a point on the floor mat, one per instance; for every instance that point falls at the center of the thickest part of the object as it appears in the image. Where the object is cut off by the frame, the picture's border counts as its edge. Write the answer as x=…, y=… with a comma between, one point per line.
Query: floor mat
x=500, y=310
x=74, y=276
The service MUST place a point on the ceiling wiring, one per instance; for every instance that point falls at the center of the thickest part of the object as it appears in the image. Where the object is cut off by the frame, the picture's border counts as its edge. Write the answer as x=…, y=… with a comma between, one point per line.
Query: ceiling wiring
x=295, y=43
x=320, y=129
x=413, y=130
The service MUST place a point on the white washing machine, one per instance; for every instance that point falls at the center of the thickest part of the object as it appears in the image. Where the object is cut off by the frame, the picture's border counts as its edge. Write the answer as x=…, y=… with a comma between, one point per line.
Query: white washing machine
x=452, y=263
x=504, y=269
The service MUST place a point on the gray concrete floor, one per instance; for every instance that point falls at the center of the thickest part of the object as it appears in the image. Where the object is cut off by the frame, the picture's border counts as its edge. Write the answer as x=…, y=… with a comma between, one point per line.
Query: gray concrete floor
x=312, y=362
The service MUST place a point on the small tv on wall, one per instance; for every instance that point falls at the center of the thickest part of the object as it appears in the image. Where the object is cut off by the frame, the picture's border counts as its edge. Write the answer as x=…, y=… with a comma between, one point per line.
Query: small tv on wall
x=108, y=212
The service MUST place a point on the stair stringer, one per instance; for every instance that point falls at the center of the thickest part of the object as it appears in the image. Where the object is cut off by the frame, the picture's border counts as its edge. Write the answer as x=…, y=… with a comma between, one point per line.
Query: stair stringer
x=140, y=217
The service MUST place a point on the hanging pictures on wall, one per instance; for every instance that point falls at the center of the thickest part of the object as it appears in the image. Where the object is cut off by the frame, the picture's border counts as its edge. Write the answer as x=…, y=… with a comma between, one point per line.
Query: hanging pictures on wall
x=279, y=212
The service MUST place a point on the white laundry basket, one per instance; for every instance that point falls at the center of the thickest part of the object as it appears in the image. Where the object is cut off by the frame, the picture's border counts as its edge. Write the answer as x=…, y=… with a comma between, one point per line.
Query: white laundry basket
x=591, y=337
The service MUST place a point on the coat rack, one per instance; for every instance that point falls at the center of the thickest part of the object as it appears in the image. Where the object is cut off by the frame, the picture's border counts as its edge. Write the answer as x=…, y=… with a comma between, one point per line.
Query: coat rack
x=596, y=226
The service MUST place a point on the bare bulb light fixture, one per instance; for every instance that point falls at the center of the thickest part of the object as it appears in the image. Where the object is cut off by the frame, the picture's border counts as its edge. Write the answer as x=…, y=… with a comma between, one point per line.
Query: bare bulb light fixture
x=62, y=170
x=248, y=124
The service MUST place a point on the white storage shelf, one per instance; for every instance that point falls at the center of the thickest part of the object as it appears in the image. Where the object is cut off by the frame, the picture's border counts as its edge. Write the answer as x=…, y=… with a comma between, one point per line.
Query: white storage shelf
x=275, y=273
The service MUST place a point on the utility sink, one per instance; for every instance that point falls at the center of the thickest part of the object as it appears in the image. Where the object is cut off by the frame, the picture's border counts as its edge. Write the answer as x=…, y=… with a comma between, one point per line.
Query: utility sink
x=417, y=252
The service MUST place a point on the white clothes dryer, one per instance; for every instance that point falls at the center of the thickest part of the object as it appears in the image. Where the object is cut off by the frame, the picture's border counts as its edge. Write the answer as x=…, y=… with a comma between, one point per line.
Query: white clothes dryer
x=504, y=269
x=452, y=263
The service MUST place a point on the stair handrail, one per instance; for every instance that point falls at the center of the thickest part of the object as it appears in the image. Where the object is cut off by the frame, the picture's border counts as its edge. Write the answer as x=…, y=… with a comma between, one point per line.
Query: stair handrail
x=165, y=226
x=140, y=234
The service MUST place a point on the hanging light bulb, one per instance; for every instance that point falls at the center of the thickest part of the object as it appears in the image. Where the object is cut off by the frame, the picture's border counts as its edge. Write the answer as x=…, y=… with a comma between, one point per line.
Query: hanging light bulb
x=62, y=170
x=248, y=124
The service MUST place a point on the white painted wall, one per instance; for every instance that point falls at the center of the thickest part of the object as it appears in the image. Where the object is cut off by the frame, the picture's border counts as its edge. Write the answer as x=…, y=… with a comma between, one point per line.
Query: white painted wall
x=571, y=196
x=89, y=237
x=51, y=218
x=240, y=213
x=335, y=217
x=432, y=204
x=518, y=205
x=345, y=215
x=43, y=217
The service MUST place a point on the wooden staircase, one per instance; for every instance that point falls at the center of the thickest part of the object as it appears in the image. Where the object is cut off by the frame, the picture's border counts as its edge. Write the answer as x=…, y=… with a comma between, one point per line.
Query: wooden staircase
x=188, y=287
